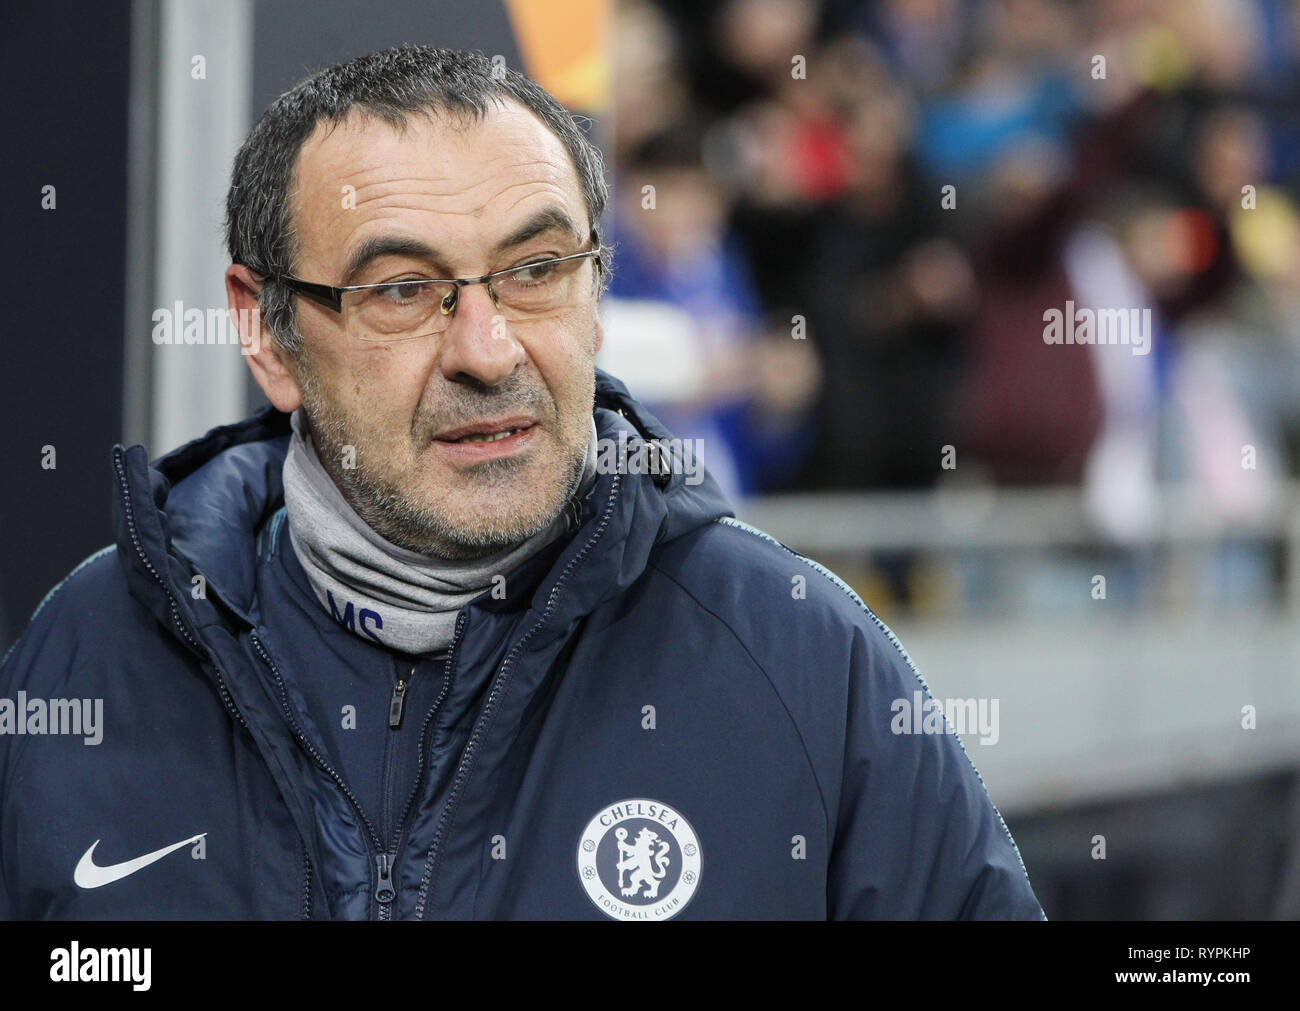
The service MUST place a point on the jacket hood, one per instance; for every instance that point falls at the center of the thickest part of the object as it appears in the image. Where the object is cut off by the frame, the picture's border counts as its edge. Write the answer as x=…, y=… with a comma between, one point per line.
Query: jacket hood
x=189, y=522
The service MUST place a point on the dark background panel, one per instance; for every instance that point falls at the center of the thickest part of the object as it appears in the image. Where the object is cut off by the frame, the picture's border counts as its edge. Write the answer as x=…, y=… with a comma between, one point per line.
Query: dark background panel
x=64, y=76
x=293, y=39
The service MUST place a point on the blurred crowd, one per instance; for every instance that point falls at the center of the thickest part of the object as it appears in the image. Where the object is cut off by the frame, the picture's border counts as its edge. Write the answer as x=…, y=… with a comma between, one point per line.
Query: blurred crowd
x=838, y=227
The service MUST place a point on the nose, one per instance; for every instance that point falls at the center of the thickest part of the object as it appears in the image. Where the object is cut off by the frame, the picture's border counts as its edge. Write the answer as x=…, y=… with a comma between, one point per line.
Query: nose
x=477, y=346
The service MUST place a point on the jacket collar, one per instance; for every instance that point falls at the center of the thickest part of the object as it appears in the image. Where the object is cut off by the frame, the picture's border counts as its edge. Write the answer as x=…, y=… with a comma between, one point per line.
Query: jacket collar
x=191, y=519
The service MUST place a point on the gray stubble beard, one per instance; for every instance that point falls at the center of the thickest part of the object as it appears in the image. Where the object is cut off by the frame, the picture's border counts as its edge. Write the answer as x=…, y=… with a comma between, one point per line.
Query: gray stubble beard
x=408, y=524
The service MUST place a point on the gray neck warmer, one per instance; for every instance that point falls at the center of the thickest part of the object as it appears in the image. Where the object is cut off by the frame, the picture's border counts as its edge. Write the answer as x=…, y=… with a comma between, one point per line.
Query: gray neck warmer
x=388, y=594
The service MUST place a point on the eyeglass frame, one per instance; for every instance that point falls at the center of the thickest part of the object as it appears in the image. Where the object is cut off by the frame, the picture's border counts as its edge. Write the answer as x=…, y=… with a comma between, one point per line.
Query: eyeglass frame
x=331, y=296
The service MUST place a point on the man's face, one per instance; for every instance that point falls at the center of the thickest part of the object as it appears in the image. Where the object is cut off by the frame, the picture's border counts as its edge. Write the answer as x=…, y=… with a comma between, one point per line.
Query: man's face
x=466, y=191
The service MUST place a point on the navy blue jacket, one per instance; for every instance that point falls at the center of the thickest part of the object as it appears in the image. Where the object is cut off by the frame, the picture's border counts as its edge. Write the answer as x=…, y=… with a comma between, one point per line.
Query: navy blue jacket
x=668, y=715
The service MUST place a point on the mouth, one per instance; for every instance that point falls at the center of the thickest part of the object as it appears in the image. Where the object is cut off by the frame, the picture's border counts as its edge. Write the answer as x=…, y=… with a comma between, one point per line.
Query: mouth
x=486, y=439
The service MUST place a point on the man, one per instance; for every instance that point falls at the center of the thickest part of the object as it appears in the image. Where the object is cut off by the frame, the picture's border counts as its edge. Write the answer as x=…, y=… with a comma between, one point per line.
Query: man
x=451, y=630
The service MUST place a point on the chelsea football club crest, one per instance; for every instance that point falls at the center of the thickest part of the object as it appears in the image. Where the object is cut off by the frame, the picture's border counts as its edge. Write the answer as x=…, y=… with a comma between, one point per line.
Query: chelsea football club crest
x=639, y=860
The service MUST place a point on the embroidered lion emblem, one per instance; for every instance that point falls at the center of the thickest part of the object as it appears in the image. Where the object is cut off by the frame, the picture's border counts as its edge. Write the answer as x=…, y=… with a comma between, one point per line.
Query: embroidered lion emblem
x=640, y=864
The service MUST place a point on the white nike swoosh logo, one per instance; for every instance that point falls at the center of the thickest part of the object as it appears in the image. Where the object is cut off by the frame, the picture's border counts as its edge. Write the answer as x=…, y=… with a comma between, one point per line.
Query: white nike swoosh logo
x=88, y=875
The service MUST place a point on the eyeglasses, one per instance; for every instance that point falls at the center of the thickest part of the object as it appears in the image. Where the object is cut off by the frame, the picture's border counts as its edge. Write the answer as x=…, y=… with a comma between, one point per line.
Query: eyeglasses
x=406, y=309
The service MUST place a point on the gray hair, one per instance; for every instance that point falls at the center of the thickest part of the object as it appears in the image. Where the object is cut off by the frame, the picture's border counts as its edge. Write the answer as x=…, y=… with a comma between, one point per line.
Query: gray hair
x=390, y=85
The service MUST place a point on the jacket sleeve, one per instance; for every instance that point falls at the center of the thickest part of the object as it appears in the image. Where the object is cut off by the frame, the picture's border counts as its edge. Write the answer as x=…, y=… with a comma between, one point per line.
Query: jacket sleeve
x=15, y=674
x=8, y=685
x=37, y=662
x=915, y=834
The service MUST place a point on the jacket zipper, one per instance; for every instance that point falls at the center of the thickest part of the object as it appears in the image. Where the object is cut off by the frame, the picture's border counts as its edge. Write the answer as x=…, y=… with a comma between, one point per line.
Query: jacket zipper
x=461, y=619
x=306, y=888
x=384, y=891
x=383, y=861
x=397, y=703
x=396, y=708
x=431, y=864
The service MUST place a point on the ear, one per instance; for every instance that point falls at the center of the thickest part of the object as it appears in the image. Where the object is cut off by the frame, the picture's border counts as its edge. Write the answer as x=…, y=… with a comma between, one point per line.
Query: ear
x=266, y=361
x=600, y=335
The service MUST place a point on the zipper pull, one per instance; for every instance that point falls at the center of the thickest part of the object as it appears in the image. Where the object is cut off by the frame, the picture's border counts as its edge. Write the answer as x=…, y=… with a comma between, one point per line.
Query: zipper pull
x=385, y=892
x=397, y=704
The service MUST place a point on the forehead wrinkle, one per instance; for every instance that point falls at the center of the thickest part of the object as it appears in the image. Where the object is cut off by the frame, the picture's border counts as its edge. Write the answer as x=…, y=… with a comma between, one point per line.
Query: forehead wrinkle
x=541, y=184
x=384, y=203
x=362, y=196
x=490, y=178
x=521, y=198
x=395, y=184
x=537, y=188
x=497, y=154
x=386, y=214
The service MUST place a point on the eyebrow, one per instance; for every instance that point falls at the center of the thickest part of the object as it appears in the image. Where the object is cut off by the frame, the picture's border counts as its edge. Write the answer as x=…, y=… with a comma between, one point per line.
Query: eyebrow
x=386, y=245
x=548, y=219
